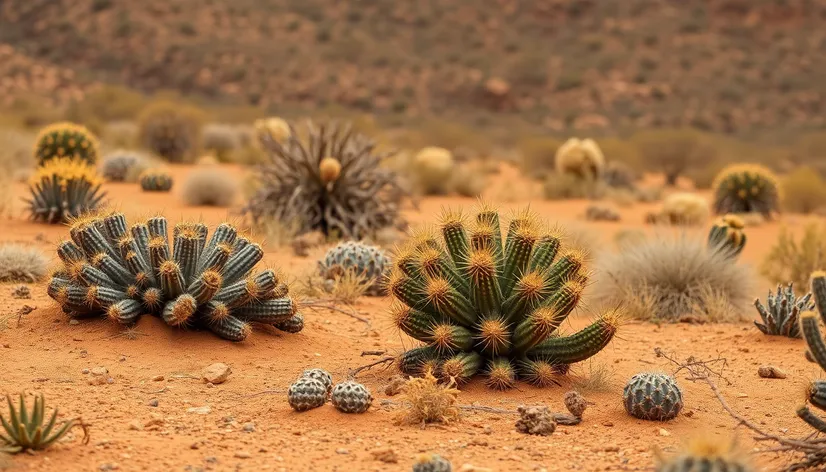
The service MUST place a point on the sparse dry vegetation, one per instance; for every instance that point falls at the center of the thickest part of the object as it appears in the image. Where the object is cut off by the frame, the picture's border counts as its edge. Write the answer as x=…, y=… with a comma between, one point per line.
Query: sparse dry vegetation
x=22, y=264
x=210, y=187
x=792, y=259
x=427, y=401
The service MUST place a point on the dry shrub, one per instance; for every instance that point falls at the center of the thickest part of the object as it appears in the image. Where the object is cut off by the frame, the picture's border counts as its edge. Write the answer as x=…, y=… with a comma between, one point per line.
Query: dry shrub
x=220, y=139
x=120, y=134
x=598, y=379
x=673, y=151
x=210, y=187
x=15, y=150
x=277, y=233
x=171, y=130
x=804, y=191
x=620, y=151
x=628, y=236
x=468, y=180
x=538, y=156
x=426, y=401
x=790, y=260
x=346, y=288
x=22, y=264
x=670, y=278
x=580, y=237
x=566, y=186
x=685, y=208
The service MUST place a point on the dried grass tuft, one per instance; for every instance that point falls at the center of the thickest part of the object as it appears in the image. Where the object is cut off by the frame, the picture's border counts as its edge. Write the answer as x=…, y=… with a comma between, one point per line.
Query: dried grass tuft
x=426, y=401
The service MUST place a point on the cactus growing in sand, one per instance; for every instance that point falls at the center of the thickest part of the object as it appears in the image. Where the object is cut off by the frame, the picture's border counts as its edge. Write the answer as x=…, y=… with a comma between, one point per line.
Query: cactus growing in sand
x=364, y=260
x=154, y=180
x=62, y=189
x=121, y=272
x=351, y=397
x=492, y=305
x=66, y=140
x=746, y=188
x=25, y=429
x=782, y=316
x=581, y=158
x=706, y=455
x=652, y=396
x=332, y=182
x=727, y=236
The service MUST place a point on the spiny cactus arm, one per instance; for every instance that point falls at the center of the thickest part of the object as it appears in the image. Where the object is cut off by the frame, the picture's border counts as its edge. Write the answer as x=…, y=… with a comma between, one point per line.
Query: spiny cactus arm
x=126, y=311
x=267, y=311
x=450, y=303
x=819, y=292
x=179, y=311
x=545, y=252
x=292, y=325
x=241, y=262
x=411, y=361
x=563, y=270
x=461, y=367
x=230, y=328
x=186, y=251
x=140, y=233
x=500, y=374
x=158, y=228
x=490, y=217
x=518, y=251
x=205, y=286
x=811, y=332
x=224, y=236
x=456, y=238
x=578, y=346
x=414, y=323
x=546, y=319
x=485, y=290
x=448, y=338
x=816, y=394
x=526, y=295
x=805, y=414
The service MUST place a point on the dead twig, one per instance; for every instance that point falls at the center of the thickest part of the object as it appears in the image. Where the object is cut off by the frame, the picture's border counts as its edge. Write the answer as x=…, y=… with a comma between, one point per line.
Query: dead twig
x=384, y=360
x=330, y=305
x=373, y=353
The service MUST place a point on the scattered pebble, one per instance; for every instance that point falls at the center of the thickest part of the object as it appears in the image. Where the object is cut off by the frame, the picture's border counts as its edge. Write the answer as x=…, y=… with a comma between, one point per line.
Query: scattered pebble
x=395, y=386
x=535, y=420
x=770, y=372
x=664, y=432
x=74, y=322
x=99, y=371
x=200, y=410
x=155, y=420
x=342, y=450
x=135, y=425
x=249, y=427
x=242, y=454
x=216, y=373
x=153, y=402
x=157, y=378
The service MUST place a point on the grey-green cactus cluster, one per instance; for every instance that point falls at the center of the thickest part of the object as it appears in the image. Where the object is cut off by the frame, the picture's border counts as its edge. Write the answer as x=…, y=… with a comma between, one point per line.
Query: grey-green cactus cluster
x=652, y=396
x=121, y=272
x=369, y=262
x=62, y=189
x=492, y=305
x=781, y=314
x=810, y=326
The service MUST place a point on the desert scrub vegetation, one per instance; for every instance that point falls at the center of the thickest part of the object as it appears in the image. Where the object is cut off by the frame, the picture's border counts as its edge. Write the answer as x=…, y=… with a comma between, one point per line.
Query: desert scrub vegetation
x=669, y=278
x=222, y=140
x=804, y=191
x=15, y=151
x=747, y=188
x=538, y=156
x=209, y=187
x=581, y=158
x=62, y=189
x=793, y=259
x=124, y=165
x=682, y=208
x=170, y=130
x=332, y=180
x=22, y=264
x=559, y=186
x=490, y=304
x=432, y=169
x=673, y=151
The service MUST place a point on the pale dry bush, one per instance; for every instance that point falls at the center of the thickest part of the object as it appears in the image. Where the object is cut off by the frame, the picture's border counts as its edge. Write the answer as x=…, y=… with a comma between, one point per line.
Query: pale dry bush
x=566, y=186
x=599, y=378
x=804, y=191
x=346, y=288
x=468, y=180
x=211, y=187
x=793, y=260
x=277, y=233
x=22, y=264
x=671, y=278
x=426, y=401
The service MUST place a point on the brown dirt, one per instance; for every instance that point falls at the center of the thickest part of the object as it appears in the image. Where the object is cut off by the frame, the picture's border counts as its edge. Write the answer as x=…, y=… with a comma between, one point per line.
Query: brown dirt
x=42, y=352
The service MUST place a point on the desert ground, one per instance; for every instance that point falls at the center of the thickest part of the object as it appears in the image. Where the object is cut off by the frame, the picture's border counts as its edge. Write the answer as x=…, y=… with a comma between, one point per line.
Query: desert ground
x=157, y=414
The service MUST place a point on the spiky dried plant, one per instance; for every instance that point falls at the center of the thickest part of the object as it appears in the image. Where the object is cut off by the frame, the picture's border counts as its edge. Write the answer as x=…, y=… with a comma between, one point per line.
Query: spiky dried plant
x=301, y=182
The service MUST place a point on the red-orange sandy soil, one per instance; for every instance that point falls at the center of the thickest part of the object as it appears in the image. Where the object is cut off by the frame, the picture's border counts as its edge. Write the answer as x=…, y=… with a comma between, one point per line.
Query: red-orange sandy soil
x=250, y=426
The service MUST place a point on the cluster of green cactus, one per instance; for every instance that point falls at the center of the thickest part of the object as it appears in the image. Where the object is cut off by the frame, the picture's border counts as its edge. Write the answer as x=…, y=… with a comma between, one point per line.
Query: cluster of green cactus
x=490, y=304
x=25, y=429
x=171, y=131
x=746, y=188
x=66, y=140
x=580, y=158
x=121, y=272
x=329, y=179
x=706, y=454
x=362, y=259
x=154, y=180
x=809, y=325
x=120, y=165
x=727, y=236
x=782, y=315
x=62, y=189
x=652, y=396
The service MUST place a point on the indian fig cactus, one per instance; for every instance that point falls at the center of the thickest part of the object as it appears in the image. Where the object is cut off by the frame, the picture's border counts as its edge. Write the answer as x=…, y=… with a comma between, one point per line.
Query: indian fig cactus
x=62, y=189
x=111, y=269
x=782, y=316
x=652, y=396
x=66, y=140
x=746, y=188
x=492, y=305
x=364, y=260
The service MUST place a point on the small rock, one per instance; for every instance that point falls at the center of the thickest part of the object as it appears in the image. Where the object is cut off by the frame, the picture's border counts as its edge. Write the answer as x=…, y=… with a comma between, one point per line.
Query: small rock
x=249, y=427
x=7, y=345
x=83, y=353
x=21, y=292
x=575, y=403
x=387, y=455
x=153, y=402
x=770, y=372
x=97, y=371
x=108, y=466
x=216, y=373
x=155, y=420
x=84, y=371
x=96, y=380
x=242, y=454
x=395, y=386
x=74, y=322
x=342, y=451
x=199, y=410
x=742, y=395
x=157, y=378
x=664, y=432
x=135, y=425
x=122, y=359
x=535, y=420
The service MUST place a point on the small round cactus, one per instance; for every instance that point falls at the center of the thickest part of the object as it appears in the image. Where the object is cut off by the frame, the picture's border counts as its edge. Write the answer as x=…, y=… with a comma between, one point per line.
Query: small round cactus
x=367, y=261
x=351, y=397
x=652, y=396
x=431, y=463
x=727, y=235
x=746, y=188
x=66, y=139
x=322, y=376
x=121, y=165
x=156, y=181
x=307, y=393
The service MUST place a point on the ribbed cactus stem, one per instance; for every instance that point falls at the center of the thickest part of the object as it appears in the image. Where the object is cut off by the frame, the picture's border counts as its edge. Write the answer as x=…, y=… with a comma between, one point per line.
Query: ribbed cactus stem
x=92, y=241
x=112, y=268
x=448, y=338
x=224, y=233
x=140, y=233
x=115, y=226
x=563, y=270
x=481, y=271
x=494, y=336
x=268, y=311
x=545, y=252
x=216, y=310
x=456, y=239
x=172, y=280
x=68, y=252
x=488, y=216
x=819, y=292
x=179, y=311
x=126, y=311
x=230, y=328
x=449, y=302
x=411, y=362
x=292, y=325
x=158, y=227
x=811, y=332
x=205, y=286
x=500, y=374
x=153, y=298
x=578, y=346
x=409, y=291
x=536, y=328
x=216, y=258
x=413, y=323
x=186, y=250
x=517, y=257
x=461, y=367
x=94, y=276
x=139, y=268
x=105, y=296
x=409, y=265
x=158, y=253
x=817, y=394
x=241, y=262
x=805, y=414
x=482, y=237
x=529, y=291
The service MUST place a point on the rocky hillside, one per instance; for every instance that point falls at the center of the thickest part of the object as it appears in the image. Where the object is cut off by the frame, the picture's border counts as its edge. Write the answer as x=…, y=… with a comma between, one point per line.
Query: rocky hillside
x=721, y=65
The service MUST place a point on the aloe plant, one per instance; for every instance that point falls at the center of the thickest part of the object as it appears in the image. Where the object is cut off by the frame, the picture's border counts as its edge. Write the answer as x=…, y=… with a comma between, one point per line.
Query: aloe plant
x=25, y=429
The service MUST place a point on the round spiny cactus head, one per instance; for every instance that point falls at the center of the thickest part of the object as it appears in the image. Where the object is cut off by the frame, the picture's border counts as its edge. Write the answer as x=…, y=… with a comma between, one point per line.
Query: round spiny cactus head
x=727, y=235
x=329, y=169
x=431, y=463
x=706, y=454
x=490, y=303
x=66, y=140
x=306, y=393
x=351, y=397
x=362, y=259
x=63, y=189
x=155, y=180
x=747, y=188
x=652, y=396
x=581, y=158
x=322, y=376
x=274, y=128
